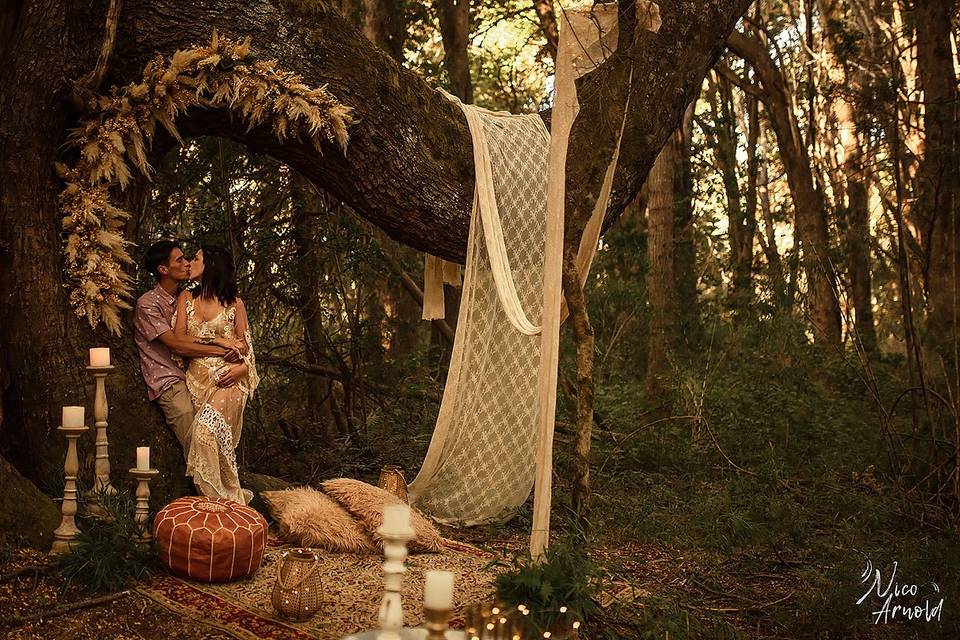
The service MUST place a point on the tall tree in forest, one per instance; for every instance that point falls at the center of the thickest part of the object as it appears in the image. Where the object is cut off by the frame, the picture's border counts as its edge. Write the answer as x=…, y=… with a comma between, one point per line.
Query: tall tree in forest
x=811, y=228
x=938, y=175
x=660, y=275
x=847, y=80
x=307, y=205
x=382, y=21
x=684, y=247
x=454, y=18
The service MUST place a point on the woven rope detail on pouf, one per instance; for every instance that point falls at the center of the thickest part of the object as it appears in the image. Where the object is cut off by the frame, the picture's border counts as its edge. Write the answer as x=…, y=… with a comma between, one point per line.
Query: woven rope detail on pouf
x=210, y=539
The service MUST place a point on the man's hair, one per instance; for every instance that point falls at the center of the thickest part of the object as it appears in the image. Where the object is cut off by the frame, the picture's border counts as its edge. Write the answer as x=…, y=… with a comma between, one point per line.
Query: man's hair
x=158, y=254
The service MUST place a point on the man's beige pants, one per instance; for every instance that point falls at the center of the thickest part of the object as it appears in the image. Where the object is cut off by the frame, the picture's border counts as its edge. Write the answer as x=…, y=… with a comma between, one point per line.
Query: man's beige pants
x=178, y=410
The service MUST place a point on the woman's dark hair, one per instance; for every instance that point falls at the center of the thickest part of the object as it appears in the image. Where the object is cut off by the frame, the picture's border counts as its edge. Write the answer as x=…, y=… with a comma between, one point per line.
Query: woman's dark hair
x=219, y=279
x=158, y=254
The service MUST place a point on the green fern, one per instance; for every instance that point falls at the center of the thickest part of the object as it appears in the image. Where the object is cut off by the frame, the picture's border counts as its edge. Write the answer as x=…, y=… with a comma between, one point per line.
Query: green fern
x=107, y=554
x=559, y=590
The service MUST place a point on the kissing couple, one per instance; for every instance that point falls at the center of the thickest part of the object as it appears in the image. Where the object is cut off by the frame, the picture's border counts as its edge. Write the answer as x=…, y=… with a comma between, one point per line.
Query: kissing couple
x=203, y=399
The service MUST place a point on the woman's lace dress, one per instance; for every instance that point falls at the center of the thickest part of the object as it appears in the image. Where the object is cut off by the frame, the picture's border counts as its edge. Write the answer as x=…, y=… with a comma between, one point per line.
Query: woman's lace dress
x=218, y=422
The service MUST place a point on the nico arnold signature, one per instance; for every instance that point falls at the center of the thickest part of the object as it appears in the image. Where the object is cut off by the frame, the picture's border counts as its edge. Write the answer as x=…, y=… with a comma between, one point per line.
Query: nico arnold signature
x=900, y=601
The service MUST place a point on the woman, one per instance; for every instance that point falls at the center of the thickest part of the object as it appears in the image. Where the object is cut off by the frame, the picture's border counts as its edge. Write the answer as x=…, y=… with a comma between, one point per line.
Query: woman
x=219, y=389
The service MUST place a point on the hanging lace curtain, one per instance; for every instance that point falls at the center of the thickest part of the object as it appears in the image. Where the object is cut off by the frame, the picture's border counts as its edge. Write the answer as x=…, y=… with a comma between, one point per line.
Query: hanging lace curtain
x=481, y=462
x=494, y=432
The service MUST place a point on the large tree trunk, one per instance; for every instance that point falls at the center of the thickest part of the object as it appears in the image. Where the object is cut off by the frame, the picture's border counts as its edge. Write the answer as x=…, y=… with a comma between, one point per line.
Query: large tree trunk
x=454, y=18
x=856, y=214
x=938, y=176
x=660, y=275
x=684, y=248
x=408, y=169
x=42, y=343
x=811, y=227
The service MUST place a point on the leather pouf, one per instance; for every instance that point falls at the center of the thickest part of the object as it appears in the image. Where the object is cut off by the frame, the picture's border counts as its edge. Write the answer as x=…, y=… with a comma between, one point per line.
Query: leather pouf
x=210, y=539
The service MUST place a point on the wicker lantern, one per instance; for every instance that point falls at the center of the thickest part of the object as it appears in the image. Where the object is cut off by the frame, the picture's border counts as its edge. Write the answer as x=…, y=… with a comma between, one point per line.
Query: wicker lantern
x=391, y=479
x=296, y=594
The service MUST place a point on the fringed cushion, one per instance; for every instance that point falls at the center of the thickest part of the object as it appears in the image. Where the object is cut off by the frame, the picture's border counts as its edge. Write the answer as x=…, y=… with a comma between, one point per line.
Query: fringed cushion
x=309, y=518
x=210, y=539
x=366, y=503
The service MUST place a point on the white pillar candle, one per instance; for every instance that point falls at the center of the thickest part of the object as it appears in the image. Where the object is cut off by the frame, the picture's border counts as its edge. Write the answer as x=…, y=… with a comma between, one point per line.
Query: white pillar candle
x=72, y=417
x=143, y=458
x=438, y=590
x=396, y=517
x=100, y=357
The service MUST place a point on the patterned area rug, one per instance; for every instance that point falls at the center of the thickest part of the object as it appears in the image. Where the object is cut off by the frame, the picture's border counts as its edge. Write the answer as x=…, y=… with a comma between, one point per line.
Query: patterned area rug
x=352, y=588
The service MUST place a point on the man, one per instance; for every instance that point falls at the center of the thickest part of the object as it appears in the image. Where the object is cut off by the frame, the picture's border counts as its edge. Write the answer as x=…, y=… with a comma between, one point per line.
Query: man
x=166, y=381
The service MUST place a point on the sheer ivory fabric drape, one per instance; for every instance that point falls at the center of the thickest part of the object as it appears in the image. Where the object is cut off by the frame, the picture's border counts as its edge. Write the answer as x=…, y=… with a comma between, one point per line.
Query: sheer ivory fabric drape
x=480, y=465
x=494, y=433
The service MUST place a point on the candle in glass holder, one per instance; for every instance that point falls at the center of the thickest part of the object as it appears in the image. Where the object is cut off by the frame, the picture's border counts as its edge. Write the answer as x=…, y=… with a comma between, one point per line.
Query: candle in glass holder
x=438, y=590
x=396, y=517
x=72, y=417
x=100, y=357
x=143, y=458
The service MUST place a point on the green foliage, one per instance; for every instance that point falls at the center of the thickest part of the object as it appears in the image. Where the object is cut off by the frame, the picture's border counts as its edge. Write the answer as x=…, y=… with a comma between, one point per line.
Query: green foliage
x=107, y=555
x=568, y=577
x=664, y=617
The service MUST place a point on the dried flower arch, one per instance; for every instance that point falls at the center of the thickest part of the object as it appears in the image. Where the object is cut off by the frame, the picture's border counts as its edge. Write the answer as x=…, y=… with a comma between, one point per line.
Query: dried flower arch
x=222, y=73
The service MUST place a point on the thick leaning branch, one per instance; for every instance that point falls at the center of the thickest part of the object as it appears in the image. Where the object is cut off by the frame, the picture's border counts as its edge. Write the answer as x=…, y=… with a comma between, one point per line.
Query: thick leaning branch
x=409, y=166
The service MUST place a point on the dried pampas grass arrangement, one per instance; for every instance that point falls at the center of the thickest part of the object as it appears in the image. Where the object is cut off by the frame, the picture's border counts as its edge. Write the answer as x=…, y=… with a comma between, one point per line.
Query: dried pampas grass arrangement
x=221, y=73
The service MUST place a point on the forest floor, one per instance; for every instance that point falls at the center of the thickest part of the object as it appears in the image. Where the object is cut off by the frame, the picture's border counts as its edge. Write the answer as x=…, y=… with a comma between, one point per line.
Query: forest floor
x=651, y=590
x=736, y=510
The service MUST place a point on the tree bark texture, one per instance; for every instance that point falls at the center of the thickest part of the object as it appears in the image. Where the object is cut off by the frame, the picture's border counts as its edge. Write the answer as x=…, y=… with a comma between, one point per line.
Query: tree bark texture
x=660, y=274
x=938, y=175
x=584, y=338
x=855, y=213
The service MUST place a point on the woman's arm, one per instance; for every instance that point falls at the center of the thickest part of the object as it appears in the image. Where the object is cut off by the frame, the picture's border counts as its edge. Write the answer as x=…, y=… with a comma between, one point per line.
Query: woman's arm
x=241, y=326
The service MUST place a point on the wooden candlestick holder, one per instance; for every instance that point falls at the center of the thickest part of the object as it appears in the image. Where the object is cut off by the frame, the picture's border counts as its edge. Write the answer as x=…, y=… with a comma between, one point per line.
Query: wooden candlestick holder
x=65, y=534
x=101, y=485
x=391, y=607
x=142, y=511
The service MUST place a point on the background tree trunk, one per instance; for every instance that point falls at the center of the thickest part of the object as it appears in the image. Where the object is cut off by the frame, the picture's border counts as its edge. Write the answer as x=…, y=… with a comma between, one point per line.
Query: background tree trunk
x=307, y=204
x=660, y=277
x=938, y=174
x=856, y=185
x=454, y=17
x=685, y=252
x=811, y=228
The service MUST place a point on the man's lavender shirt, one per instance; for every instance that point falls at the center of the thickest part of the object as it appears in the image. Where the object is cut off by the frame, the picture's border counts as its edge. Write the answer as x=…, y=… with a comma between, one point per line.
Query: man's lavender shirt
x=153, y=318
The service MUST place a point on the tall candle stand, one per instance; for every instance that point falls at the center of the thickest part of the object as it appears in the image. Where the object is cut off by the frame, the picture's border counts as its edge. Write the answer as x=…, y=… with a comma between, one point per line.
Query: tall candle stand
x=65, y=534
x=101, y=485
x=391, y=607
x=142, y=511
